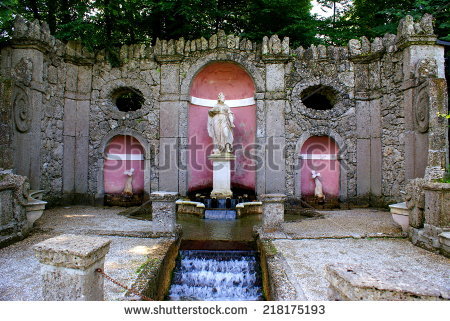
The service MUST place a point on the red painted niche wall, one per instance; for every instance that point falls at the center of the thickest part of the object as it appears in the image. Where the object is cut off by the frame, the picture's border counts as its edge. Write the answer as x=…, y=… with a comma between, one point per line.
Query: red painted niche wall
x=125, y=152
x=327, y=165
x=235, y=83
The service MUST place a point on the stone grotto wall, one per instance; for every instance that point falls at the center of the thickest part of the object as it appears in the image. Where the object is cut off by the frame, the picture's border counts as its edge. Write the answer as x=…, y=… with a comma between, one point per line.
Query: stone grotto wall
x=59, y=109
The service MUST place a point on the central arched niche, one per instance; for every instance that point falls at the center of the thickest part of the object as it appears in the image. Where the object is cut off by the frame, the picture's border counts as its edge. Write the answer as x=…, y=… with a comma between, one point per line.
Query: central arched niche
x=239, y=88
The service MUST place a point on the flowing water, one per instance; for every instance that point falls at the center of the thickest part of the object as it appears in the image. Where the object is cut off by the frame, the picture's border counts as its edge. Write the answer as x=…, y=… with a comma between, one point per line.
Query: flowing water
x=210, y=275
x=220, y=214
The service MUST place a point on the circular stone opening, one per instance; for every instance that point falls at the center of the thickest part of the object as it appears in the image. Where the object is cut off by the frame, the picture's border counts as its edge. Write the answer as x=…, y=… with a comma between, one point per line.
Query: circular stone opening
x=128, y=99
x=319, y=97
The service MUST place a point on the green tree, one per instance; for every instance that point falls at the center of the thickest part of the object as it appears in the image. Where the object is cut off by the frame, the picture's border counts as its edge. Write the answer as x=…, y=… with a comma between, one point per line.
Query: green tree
x=290, y=18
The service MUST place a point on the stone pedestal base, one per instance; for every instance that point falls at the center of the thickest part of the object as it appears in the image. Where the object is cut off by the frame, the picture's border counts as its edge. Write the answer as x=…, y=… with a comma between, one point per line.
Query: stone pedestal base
x=272, y=209
x=68, y=267
x=164, y=211
x=221, y=175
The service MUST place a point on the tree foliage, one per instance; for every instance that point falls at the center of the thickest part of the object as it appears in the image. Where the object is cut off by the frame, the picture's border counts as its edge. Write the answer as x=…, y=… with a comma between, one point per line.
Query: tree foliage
x=111, y=23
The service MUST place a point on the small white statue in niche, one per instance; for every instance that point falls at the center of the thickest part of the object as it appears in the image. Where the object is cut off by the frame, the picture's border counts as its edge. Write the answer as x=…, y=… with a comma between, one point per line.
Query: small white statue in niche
x=128, y=189
x=318, y=191
x=220, y=126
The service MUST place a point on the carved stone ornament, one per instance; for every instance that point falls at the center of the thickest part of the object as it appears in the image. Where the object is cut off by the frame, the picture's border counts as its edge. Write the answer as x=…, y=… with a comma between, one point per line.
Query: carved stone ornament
x=422, y=110
x=23, y=70
x=426, y=68
x=22, y=111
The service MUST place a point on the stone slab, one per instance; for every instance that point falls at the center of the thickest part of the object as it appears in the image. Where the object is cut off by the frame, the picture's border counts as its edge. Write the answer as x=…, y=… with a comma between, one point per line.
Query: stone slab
x=170, y=78
x=168, y=164
x=275, y=124
x=357, y=282
x=275, y=166
x=275, y=77
x=72, y=251
x=363, y=166
x=168, y=118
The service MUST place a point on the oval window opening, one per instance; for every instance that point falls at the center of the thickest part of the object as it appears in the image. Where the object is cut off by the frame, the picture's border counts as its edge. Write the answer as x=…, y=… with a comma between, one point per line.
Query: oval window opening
x=319, y=97
x=128, y=99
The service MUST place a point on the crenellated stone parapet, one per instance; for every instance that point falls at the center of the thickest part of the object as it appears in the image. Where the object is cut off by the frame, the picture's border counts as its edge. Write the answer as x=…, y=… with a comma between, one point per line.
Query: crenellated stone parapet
x=60, y=102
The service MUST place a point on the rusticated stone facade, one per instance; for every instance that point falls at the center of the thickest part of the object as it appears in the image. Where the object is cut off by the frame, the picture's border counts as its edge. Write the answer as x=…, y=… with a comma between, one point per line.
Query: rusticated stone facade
x=59, y=109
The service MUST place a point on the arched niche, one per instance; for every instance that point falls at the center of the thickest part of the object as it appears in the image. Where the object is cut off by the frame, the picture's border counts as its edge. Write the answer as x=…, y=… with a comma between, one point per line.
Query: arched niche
x=320, y=154
x=121, y=154
x=239, y=89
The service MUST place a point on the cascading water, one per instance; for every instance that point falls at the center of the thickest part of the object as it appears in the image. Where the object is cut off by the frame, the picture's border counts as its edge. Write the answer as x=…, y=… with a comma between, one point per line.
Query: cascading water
x=216, y=276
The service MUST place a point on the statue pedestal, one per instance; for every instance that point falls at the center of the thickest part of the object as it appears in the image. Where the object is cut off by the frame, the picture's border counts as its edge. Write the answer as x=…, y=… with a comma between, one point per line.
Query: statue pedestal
x=221, y=174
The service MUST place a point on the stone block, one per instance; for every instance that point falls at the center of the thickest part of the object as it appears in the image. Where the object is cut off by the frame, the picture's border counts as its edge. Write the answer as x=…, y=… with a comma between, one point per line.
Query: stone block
x=275, y=125
x=221, y=175
x=168, y=118
x=375, y=118
x=437, y=204
x=164, y=211
x=68, y=267
x=275, y=165
x=376, y=163
x=70, y=117
x=367, y=283
x=170, y=79
x=69, y=164
x=421, y=144
x=260, y=118
x=363, y=113
x=168, y=164
x=71, y=77
x=408, y=109
x=260, y=166
x=444, y=240
x=81, y=164
x=363, y=166
x=275, y=77
x=409, y=155
x=272, y=210
x=84, y=80
x=82, y=118
x=413, y=54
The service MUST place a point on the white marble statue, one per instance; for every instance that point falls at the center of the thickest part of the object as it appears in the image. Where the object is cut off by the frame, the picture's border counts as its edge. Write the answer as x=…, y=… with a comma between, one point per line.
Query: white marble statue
x=128, y=189
x=220, y=126
x=318, y=191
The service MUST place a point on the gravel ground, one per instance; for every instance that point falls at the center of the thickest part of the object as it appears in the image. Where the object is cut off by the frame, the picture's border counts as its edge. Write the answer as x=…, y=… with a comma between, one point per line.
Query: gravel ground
x=20, y=278
x=339, y=237
x=349, y=223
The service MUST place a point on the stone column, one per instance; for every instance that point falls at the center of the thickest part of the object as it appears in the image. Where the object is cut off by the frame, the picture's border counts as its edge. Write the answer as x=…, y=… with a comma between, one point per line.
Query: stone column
x=164, y=211
x=275, y=56
x=68, y=267
x=273, y=209
x=76, y=129
x=169, y=108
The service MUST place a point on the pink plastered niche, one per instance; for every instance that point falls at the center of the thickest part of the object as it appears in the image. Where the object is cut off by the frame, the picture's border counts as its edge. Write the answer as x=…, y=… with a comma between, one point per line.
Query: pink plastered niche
x=328, y=167
x=123, y=153
x=235, y=83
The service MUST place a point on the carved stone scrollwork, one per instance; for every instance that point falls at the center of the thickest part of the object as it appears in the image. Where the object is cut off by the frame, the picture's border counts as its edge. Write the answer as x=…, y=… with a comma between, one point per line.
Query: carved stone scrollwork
x=22, y=111
x=422, y=110
x=23, y=70
x=426, y=68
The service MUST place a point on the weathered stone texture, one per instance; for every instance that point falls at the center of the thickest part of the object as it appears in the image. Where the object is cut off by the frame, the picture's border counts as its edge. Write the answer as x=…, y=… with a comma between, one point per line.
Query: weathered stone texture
x=359, y=283
x=69, y=264
x=375, y=86
x=13, y=196
x=164, y=211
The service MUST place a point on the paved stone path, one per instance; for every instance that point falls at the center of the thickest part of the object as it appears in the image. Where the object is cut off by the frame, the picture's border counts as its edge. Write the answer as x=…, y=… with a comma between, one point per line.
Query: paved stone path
x=363, y=236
